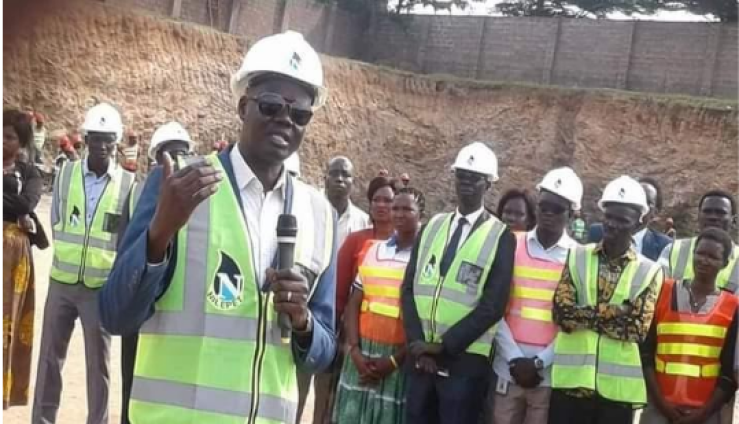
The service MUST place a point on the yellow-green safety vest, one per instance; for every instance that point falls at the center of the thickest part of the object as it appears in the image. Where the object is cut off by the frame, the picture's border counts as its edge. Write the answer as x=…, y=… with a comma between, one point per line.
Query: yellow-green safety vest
x=681, y=265
x=212, y=351
x=587, y=359
x=442, y=302
x=85, y=253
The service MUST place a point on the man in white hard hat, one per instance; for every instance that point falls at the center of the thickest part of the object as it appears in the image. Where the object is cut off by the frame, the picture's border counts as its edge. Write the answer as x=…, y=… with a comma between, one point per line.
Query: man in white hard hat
x=196, y=267
x=604, y=305
x=87, y=205
x=173, y=139
x=525, y=338
x=647, y=241
x=455, y=290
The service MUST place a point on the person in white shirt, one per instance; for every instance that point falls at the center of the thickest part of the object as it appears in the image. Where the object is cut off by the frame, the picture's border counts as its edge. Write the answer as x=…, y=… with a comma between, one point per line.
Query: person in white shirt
x=339, y=183
x=525, y=339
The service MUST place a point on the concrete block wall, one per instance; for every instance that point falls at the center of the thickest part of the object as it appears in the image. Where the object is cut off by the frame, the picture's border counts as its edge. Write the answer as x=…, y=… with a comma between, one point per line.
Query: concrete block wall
x=669, y=57
x=685, y=58
x=517, y=49
x=591, y=53
x=662, y=57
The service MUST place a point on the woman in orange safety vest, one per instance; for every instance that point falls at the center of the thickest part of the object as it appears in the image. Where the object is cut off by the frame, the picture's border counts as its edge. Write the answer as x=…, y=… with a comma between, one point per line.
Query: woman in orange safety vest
x=372, y=388
x=688, y=357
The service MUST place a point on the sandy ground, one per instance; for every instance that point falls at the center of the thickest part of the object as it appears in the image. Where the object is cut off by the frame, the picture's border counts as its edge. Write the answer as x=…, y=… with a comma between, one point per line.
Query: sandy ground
x=73, y=409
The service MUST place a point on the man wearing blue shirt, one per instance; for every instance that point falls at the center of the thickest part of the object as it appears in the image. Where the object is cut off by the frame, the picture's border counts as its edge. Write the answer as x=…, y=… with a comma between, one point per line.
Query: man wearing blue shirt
x=195, y=269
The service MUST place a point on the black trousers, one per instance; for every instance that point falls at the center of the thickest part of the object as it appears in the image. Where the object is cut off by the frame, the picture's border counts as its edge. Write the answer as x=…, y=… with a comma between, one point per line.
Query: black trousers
x=128, y=359
x=564, y=409
x=457, y=399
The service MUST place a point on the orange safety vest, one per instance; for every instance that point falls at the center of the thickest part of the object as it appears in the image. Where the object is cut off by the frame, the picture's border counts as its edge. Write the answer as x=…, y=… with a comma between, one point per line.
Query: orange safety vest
x=530, y=308
x=689, y=346
x=379, y=319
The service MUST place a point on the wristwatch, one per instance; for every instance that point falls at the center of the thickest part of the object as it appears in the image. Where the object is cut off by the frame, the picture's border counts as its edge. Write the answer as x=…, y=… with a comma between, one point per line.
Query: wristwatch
x=538, y=363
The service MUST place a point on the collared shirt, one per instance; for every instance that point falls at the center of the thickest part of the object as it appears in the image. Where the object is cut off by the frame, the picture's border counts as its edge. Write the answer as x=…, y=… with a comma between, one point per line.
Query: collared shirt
x=95, y=187
x=507, y=348
x=606, y=319
x=39, y=139
x=386, y=251
x=471, y=219
x=638, y=239
x=261, y=210
x=353, y=219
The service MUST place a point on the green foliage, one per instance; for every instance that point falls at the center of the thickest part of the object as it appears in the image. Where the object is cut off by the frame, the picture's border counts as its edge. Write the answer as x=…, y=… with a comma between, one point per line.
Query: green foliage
x=724, y=10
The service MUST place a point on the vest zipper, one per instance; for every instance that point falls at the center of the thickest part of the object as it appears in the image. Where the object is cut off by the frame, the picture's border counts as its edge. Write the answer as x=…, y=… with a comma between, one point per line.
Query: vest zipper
x=434, y=307
x=437, y=294
x=87, y=227
x=259, y=354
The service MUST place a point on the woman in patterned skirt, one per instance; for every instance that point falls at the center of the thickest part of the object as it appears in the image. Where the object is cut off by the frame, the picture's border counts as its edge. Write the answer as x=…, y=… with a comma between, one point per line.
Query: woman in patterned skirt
x=22, y=187
x=372, y=388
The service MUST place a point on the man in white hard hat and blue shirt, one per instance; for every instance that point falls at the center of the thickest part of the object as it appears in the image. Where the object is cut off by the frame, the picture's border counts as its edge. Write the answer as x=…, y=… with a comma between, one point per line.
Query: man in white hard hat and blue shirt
x=87, y=205
x=455, y=291
x=196, y=271
x=525, y=338
x=173, y=139
x=604, y=305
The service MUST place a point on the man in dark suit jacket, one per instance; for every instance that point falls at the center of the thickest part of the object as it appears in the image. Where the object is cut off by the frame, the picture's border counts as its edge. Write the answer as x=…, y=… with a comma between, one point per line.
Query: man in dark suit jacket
x=648, y=242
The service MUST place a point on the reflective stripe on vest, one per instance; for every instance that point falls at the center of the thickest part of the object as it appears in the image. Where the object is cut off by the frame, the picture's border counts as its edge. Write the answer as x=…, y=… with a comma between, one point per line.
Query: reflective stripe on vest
x=687, y=360
x=212, y=351
x=379, y=319
x=584, y=358
x=530, y=308
x=441, y=303
x=85, y=253
x=681, y=265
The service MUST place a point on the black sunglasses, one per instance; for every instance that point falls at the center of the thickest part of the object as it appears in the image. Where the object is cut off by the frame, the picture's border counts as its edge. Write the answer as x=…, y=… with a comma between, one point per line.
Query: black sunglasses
x=271, y=106
x=552, y=208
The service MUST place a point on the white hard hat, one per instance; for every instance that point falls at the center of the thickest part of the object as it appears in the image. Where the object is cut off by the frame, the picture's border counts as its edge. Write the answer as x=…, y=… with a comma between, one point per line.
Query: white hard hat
x=477, y=157
x=171, y=131
x=627, y=191
x=564, y=183
x=285, y=54
x=292, y=164
x=103, y=118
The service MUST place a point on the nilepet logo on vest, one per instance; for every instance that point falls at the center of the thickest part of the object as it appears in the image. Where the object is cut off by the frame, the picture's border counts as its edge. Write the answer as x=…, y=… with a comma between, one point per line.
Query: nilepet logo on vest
x=227, y=288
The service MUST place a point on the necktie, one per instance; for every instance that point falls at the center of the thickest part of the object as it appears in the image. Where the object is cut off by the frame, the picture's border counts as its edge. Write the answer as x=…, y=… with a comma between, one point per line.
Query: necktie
x=451, y=248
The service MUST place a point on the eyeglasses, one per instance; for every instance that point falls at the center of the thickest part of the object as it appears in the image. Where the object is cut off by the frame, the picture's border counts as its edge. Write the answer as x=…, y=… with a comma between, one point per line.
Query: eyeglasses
x=272, y=105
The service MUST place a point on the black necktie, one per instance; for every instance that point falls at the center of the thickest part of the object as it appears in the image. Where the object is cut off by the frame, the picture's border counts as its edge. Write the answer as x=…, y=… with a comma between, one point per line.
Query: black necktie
x=451, y=248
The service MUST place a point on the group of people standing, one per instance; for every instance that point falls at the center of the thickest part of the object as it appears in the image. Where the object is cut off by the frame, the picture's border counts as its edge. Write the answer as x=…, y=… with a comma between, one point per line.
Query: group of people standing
x=391, y=317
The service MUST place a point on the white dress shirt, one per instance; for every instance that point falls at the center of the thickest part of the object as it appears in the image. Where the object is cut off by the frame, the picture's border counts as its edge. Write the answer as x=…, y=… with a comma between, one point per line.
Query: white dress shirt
x=507, y=348
x=471, y=219
x=261, y=211
x=95, y=187
x=638, y=239
x=353, y=219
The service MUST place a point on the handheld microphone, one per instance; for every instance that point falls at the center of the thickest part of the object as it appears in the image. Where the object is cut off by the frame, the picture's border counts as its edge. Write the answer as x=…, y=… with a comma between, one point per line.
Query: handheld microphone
x=287, y=231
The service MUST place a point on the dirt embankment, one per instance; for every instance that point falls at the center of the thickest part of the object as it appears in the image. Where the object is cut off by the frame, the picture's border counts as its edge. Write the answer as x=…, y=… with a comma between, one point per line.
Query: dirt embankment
x=62, y=61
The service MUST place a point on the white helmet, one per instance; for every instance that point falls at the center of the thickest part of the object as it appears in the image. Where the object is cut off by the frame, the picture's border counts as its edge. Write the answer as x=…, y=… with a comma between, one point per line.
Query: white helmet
x=564, y=183
x=103, y=118
x=285, y=54
x=292, y=164
x=477, y=157
x=171, y=131
x=627, y=191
